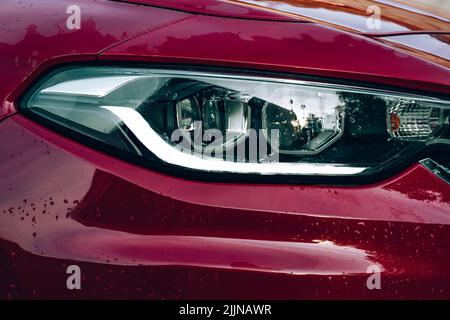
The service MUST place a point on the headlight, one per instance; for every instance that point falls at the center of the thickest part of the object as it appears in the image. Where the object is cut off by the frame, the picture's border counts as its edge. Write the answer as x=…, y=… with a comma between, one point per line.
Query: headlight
x=226, y=123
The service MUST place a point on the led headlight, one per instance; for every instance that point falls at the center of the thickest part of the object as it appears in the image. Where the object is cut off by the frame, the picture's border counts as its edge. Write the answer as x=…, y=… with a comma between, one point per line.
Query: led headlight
x=220, y=122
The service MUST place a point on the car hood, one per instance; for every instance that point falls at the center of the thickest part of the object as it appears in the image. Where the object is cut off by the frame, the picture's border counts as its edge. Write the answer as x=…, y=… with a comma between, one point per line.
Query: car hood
x=414, y=26
x=433, y=47
x=224, y=8
x=396, y=16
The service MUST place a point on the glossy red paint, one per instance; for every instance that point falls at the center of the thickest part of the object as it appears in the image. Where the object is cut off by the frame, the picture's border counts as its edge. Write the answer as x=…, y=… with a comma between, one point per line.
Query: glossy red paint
x=396, y=16
x=35, y=31
x=219, y=8
x=115, y=218
x=137, y=233
x=293, y=47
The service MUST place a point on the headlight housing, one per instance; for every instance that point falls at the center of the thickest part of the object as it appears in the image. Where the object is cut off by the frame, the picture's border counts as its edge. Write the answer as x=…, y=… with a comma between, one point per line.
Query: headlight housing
x=224, y=123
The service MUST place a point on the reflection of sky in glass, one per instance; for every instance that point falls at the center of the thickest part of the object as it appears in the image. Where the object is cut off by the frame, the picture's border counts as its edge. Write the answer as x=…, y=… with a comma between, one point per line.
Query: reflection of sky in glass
x=423, y=42
x=350, y=20
x=443, y=4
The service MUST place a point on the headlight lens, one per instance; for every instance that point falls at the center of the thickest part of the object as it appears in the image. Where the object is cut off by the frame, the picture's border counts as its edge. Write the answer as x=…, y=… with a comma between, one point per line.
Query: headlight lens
x=220, y=122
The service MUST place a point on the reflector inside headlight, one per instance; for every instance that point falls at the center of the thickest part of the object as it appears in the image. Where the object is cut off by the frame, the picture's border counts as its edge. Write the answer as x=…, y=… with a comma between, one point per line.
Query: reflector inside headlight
x=218, y=122
x=414, y=119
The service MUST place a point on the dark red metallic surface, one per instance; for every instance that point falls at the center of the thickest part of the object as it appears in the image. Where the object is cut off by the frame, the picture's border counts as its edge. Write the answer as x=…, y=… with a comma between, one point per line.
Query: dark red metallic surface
x=64, y=203
x=295, y=47
x=34, y=31
x=397, y=16
x=221, y=8
x=137, y=233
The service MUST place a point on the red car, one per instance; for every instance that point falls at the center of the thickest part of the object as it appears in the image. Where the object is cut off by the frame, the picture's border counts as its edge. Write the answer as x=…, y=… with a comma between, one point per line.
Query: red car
x=224, y=149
